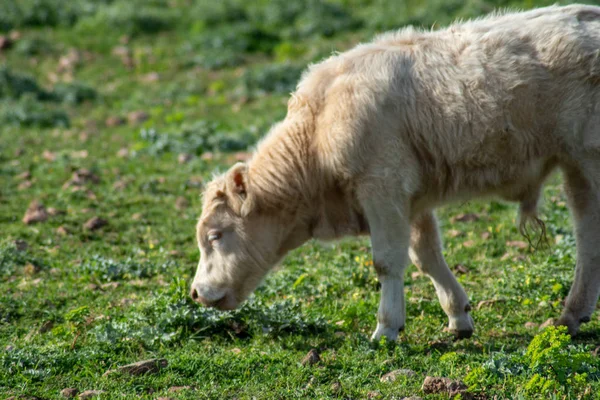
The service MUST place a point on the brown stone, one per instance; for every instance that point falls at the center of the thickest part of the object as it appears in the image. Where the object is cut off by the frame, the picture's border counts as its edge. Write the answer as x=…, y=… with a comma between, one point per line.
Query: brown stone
x=151, y=366
x=88, y=394
x=433, y=384
x=137, y=117
x=393, y=375
x=46, y=326
x=95, y=223
x=36, y=212
x=311, y=358
x=181, y=203
x=184, y=158
x=5, y=42
x=174, y=389
x=113, y=121
x=69, y=392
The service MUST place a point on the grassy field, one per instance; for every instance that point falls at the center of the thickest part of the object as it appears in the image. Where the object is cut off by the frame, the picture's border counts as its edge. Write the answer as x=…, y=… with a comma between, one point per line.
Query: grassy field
x=113, y=114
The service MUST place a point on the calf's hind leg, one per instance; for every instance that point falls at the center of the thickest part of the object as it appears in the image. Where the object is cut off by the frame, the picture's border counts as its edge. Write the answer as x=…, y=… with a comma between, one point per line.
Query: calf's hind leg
x=583, y=190
x=426, y=253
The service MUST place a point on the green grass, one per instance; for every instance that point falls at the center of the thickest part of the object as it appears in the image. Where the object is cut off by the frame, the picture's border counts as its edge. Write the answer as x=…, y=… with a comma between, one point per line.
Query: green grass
x=212, y=77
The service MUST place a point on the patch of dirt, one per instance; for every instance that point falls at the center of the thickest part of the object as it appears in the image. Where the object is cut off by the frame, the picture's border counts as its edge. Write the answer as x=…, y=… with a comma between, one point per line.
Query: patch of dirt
x=433, y=384
x=137, y=117
x=81, y=177
x=36, y=212
x=95, y=223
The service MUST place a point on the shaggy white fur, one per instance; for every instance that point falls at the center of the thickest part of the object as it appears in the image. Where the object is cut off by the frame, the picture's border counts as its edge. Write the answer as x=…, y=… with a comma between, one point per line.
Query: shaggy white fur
x=377, y=137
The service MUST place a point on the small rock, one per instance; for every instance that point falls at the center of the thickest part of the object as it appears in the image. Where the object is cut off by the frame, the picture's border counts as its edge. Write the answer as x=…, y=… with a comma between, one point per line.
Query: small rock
x=530, y=325
x=36, y=212
x=31, y=269
x=469, y=243
x=547, y=323
x=136, y=117
x=48, y=155
x=519, y=244
x=121, y=184
x=433, y=384
x=93, y=287
x=373, y=395
x=151, y=77
x=207, y=156
x=113, y=121
x=461, y=269
x=109, y=285
x=486, y=235
x=412, y=398
x=181, y=203
x=24, y=176
x=184, y=158
x=174, y=389
x=236, y=350
x=311, y=358
x=137, y=216
x=121, y=51
x=465, y=218
x=25, y=185
x=54, y=212
x=69, y=392
x=5, y=42
x=123, y=152
x=151, y=366
x=95, y=223
x=80, y=154
x=454, y=233
x=82, y=177
x=14, y=35
x=21, y=245
x=62, y=231
x=336, y=387
x=88, y=394
x=46, y=326
x=392, y=376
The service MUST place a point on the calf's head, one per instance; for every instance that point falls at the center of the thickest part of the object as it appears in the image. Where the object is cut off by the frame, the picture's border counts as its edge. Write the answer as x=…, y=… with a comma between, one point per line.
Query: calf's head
x=239, y=243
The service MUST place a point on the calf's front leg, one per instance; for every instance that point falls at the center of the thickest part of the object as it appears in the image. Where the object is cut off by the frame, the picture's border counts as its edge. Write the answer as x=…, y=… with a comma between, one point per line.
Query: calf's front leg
x=390, y=236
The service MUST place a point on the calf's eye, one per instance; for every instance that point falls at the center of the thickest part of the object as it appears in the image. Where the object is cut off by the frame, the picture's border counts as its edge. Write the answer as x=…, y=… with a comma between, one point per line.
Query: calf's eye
x=214, y=236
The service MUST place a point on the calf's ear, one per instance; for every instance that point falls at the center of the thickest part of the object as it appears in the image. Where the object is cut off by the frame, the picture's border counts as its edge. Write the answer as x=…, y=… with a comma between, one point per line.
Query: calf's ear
x=237, y=179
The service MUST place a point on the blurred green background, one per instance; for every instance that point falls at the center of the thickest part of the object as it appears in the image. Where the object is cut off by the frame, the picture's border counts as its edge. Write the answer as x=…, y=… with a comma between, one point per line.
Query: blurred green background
x=113, y=115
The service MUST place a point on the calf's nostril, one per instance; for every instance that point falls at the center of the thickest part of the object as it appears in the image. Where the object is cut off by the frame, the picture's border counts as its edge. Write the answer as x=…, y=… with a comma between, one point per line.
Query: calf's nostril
x=194, y=294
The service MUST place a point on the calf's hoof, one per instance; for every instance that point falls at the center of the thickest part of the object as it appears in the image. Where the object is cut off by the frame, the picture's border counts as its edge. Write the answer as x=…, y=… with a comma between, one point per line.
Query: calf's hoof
x=390, y=334
x=571, y=322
